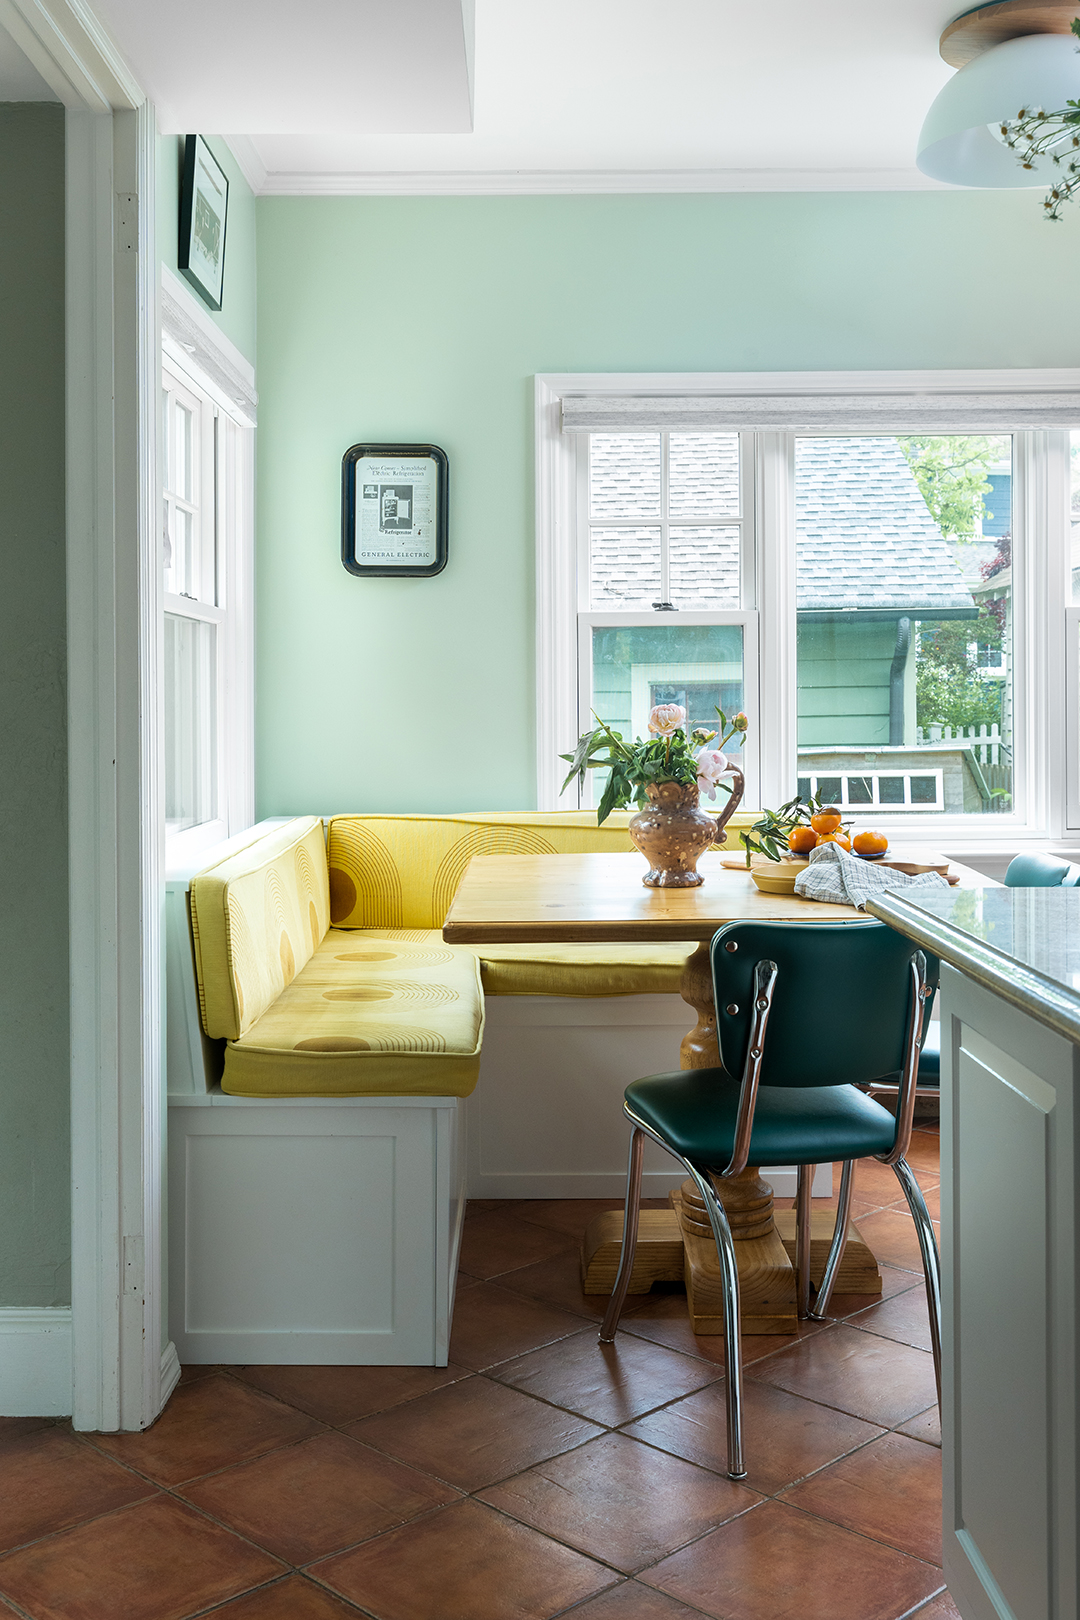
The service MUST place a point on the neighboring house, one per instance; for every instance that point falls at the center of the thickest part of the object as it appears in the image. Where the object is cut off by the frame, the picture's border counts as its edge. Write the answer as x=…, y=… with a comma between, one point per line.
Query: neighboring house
x=997, y=503
x=872, y=564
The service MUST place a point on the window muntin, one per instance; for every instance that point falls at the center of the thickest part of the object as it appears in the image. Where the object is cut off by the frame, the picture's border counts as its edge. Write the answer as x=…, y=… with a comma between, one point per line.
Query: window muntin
x=904, y=615
x=654, y=505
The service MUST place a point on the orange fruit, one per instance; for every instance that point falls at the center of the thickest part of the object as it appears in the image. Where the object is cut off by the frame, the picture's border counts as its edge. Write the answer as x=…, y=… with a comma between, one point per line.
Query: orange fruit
x=870, y=843
x=840, y=838
x=827, y=820
x=801, y=840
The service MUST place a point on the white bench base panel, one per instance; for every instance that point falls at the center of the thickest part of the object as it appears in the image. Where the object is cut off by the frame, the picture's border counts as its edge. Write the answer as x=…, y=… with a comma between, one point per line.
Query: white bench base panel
x=546, y=1119
x=314, y=1231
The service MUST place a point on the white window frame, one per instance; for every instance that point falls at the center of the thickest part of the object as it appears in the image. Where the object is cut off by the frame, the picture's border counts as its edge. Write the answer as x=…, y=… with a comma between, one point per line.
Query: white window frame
x=1072, y=710
x=588, y=621
x=1046, y=753
x=202, y=359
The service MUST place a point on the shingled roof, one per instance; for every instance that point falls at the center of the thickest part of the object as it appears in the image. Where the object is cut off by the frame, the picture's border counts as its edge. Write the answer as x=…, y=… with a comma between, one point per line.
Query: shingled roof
x=866, y=539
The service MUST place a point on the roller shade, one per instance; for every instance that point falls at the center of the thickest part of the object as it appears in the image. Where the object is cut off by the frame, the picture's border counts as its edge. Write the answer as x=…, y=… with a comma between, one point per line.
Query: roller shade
x=823, y=413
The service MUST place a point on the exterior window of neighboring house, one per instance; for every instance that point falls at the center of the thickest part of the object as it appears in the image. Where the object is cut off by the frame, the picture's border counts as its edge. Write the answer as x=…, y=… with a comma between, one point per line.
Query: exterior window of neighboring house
x=890, y=609
x=665, y=521
x=903, y=624
x=205, y=544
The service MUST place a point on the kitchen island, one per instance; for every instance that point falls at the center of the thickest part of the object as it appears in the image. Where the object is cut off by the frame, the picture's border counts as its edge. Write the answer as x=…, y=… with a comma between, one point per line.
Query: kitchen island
x=1010, y=1037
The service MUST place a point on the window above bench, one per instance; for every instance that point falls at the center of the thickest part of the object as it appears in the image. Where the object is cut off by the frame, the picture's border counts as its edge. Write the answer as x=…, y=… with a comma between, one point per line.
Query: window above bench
x=877, y=567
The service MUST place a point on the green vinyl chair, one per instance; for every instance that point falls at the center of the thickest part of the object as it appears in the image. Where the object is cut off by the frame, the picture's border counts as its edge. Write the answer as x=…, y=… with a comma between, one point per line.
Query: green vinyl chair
x=1024, y=872
x=806, y=1015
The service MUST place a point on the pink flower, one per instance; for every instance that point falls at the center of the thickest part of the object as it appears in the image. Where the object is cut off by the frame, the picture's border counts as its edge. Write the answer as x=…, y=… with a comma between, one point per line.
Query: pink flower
x=666, y=718
x=711, y=766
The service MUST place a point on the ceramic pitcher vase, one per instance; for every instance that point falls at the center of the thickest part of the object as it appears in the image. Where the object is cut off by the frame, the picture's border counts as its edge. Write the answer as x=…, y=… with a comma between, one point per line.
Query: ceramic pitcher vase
x=673, y=831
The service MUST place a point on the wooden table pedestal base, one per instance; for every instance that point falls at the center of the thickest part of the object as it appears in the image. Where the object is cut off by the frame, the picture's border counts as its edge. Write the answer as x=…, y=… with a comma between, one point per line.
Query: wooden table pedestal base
x=671, y=1250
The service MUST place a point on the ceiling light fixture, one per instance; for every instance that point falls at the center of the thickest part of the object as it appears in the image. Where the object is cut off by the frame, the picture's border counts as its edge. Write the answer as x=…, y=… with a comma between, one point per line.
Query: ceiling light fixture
x=1015, y=57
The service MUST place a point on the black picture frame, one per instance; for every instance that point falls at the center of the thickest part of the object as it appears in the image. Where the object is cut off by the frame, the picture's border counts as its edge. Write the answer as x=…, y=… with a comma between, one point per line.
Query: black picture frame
x=401, y=515
x=204, y=216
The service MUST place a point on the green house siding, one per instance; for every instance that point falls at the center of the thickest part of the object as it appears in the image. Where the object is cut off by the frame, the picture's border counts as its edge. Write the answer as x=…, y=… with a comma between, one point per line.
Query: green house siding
x=844, y=674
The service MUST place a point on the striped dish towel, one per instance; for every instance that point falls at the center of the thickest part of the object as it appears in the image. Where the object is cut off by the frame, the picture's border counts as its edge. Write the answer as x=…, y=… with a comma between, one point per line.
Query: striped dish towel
x=847, y=880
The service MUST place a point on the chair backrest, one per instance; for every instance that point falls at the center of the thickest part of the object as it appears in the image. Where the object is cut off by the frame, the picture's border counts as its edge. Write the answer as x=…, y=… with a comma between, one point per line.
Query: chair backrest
x=1041, y=872
x=840, y=1006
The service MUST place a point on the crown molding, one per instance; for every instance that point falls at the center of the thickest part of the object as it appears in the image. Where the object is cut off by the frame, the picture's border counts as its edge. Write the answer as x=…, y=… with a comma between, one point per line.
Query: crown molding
x=73, y=53
x=248, y=161
x=586, y=182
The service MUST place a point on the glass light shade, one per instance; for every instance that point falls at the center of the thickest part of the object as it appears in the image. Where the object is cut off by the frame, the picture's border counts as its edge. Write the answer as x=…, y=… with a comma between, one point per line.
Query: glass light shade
x=1040, y=71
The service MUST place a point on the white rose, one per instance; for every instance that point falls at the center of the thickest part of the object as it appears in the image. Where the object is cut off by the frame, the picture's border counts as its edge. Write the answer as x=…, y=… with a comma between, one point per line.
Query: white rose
x=666, y=718
x=711, y=766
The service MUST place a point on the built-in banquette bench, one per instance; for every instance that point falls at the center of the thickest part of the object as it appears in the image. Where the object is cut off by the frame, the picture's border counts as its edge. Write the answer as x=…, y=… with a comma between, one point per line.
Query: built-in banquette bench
x=319, y=1156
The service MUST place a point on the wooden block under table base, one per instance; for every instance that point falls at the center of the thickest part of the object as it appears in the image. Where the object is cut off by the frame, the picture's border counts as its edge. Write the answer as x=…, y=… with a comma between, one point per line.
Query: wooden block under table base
x=661, y=1257
x=658, y=1257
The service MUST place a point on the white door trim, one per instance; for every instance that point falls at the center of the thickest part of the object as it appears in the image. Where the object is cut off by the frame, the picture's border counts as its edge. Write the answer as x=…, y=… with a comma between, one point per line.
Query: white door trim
x=73, y=53
x=122, y=1368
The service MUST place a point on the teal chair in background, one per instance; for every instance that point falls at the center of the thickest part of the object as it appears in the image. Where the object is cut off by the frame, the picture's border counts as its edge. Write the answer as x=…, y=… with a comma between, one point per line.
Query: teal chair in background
x=806, y=1014
x=1041, y=872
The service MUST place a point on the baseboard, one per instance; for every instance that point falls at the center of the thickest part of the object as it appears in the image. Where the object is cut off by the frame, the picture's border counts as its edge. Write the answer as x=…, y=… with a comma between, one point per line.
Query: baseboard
x=612, y=1184
x=170, y=1372
x=35, y=1361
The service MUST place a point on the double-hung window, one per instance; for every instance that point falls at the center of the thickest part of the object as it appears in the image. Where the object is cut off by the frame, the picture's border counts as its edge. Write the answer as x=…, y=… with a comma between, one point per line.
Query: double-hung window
x=877, y=569
x=206, y=535
x=665, y=526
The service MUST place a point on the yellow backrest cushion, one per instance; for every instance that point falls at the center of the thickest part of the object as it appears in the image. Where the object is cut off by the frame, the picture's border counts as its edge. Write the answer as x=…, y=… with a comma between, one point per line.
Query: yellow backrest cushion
x=403, y=871
x=256, y=918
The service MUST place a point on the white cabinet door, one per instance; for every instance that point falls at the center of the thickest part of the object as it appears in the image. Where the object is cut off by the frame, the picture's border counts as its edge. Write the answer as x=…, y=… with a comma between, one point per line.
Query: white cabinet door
x=1009, y=1287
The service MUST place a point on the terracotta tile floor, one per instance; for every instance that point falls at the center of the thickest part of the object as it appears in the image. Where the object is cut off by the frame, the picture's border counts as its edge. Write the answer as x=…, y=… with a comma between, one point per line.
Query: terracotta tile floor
x=538, y=1475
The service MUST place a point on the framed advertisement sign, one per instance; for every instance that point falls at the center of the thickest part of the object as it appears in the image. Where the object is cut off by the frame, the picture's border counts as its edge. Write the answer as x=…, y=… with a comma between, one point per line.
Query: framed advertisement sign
x=394, y=510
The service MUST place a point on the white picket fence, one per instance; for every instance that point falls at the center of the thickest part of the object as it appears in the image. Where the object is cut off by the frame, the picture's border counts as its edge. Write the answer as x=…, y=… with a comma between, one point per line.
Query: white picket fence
x=989, y=748
x=985, y=745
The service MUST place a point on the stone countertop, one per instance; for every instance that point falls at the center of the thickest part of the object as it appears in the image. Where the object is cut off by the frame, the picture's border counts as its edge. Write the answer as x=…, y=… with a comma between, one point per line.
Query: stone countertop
x=1024, y=944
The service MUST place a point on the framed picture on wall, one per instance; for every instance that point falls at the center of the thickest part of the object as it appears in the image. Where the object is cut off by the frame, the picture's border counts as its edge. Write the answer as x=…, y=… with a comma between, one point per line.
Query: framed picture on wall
x=204, y=207
x=394, y=510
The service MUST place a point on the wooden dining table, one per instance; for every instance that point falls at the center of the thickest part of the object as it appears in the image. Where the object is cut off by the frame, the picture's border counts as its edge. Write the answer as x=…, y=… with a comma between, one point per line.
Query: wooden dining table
x=600, y=898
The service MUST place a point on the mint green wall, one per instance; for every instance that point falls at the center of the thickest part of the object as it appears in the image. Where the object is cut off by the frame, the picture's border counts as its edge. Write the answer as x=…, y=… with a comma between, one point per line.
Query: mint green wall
x=424, y=319
x=35, y=1238
x=236, y=317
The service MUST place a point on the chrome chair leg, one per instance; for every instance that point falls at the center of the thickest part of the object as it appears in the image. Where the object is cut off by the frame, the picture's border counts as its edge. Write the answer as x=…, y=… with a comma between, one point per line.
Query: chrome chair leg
x=803, y=1207
x=629, y=1241
x=729, y=1278
x=838, y=1244
x=931, y=1263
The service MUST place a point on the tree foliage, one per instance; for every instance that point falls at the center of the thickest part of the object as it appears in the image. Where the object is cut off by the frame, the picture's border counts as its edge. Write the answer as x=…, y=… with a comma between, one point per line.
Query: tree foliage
x=951, y=474
x=949, y=691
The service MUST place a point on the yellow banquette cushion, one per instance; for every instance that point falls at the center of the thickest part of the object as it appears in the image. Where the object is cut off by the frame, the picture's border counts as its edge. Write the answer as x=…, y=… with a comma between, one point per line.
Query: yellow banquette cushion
x=306, y=1009
x=402, y=872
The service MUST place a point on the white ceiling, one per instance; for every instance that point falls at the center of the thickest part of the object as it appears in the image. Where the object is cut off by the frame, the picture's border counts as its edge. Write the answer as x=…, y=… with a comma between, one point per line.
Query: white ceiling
x=19, y=79
x=290, y=66
x=568, y=95
x=688, y=94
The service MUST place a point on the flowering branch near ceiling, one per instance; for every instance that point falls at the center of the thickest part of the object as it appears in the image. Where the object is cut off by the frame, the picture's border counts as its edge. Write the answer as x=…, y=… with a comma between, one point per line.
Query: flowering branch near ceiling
x=1055, y=135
